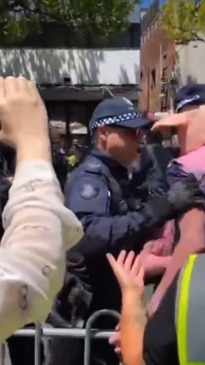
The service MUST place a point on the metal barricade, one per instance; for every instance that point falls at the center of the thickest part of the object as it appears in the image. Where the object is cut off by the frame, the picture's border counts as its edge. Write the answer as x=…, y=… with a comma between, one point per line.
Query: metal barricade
x=88, y=334
x=88, y=330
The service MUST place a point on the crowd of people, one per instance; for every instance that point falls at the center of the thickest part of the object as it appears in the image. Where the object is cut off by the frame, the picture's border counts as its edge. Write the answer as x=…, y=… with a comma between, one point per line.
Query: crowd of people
x=132, y=214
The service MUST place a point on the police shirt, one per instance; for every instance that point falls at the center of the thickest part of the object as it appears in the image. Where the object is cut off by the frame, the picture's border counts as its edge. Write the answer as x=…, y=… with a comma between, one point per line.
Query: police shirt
x=101, y=195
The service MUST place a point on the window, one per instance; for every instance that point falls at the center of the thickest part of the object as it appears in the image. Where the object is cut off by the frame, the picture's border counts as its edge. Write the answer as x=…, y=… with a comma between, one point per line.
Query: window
x=129, y=39
x=134, y=32
x=59, y=36
x=164, y=61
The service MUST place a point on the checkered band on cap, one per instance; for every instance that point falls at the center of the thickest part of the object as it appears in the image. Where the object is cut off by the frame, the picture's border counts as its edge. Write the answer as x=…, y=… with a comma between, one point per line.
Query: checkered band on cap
x=116, y=119
x=186, y=102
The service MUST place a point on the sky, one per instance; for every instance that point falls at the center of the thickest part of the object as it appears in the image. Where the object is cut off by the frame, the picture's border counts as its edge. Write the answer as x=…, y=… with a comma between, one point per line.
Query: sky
x=147, y=3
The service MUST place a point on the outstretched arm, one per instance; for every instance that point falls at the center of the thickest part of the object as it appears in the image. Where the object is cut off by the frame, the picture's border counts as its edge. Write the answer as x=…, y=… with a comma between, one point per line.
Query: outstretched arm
x=130, y=274
x=132, y=324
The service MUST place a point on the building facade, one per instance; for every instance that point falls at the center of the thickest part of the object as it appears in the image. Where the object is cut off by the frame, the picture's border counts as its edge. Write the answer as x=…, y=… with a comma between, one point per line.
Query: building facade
x=189, y=65
x=53, y=56
x=74, y=73
x=157, y=63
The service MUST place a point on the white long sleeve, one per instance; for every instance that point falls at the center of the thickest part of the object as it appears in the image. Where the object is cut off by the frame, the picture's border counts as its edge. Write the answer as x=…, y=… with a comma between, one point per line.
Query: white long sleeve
x=38, y=231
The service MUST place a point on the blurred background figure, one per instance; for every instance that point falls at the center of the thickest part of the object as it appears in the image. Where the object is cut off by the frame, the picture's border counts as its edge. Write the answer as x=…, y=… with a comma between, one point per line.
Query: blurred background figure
x=60, y=147
x=79, y=146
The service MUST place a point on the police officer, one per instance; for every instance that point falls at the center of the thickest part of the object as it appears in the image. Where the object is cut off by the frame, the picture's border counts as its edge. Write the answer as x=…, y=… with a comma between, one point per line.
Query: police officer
x=101, y=195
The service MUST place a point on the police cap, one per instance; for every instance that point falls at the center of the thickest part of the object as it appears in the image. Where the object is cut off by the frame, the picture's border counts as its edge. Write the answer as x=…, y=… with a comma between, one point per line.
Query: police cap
x=118, y=112
x=190, y=95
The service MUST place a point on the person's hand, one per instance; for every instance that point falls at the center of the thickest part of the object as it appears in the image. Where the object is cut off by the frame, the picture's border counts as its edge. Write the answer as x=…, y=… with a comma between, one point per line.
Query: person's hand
x=115, y=341
x=128, y=272
x=23, y=115
x=190, y=127
x=153, y=264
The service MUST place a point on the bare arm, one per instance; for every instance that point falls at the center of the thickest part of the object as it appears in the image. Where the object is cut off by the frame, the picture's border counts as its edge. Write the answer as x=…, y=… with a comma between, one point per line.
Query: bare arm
x=132, y=324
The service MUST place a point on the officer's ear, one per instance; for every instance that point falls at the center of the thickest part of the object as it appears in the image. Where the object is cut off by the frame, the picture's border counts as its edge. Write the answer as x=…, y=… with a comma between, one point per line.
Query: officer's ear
x=103, y=133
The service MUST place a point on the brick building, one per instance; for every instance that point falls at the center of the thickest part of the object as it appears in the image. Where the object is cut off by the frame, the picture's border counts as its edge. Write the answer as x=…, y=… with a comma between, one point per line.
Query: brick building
x=157, y=63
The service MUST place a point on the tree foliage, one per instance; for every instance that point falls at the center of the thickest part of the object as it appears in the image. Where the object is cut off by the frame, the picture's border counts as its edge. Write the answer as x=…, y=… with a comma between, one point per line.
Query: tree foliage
x=19, y=18
x=184, y=20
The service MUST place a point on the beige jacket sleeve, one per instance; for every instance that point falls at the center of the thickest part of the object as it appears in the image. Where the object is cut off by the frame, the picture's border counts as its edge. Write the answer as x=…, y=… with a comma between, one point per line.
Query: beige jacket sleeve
x=38, y=231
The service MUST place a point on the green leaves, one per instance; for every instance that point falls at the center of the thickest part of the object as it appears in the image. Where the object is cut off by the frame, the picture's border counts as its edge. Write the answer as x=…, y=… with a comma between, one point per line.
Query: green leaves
x=183, y=20
x=105, y=18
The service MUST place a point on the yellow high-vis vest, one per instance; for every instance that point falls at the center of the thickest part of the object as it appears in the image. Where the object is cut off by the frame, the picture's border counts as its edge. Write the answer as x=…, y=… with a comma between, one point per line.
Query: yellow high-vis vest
x=190, y=312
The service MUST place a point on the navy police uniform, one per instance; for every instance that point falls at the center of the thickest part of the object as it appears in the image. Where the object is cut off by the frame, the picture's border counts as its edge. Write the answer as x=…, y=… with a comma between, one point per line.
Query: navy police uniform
x=151, y=172
x=101, y=195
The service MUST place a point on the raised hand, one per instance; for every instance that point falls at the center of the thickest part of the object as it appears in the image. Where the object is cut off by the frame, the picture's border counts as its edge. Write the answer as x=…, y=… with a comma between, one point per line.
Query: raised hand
x=22, y=112
x=23, y=118
x=128, y=271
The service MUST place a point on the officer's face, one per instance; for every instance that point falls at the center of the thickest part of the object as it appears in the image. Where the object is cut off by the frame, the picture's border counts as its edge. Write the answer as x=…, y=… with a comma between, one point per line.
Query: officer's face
x=121, y=143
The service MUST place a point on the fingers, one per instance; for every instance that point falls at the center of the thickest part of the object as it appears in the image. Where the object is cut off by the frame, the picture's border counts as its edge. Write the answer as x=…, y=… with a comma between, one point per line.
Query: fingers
x=114, y=340
x=141, y=274
x=33, y=90
x=112, y=261
x=118, y=350
x=138, y=269
x=136, y=265
x=2, y=89
x=121, y=257
x=11, y=86
x=174, y=120
x=120, y=260
x=129, y=261
x=22, y=84
x=124, y=260
x=116, y=267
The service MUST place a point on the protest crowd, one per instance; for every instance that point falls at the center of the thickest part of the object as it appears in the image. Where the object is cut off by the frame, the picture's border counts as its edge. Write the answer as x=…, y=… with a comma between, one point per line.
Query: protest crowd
x=89, y=228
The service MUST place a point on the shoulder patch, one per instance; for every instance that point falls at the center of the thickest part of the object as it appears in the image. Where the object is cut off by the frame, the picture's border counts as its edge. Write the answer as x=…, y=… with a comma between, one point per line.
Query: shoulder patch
x=89, y=192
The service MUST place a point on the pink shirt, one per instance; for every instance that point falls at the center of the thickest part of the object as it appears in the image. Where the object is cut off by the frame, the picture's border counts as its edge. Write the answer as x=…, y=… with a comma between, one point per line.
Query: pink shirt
x=194, y=162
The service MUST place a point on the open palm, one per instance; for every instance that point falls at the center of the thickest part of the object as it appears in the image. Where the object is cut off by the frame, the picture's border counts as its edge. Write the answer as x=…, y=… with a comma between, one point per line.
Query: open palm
x=128, y=271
